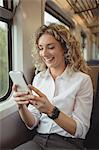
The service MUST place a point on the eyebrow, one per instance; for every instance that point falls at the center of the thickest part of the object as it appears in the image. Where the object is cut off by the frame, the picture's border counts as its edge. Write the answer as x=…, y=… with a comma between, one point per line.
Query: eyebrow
x=47, y=44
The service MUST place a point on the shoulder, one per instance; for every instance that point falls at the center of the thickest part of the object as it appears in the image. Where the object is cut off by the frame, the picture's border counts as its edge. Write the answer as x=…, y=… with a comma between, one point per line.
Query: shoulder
x=86, y=81
x=77, y=75
x=82, y=78
x=82, y=75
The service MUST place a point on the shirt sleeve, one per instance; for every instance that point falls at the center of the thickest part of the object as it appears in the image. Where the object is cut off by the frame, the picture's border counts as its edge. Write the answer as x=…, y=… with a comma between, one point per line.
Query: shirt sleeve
x=83, y=107
x=36, y=113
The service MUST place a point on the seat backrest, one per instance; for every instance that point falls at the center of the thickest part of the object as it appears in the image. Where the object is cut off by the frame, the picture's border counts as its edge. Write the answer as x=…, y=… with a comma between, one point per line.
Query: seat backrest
x=94, y=75
x=92, y=137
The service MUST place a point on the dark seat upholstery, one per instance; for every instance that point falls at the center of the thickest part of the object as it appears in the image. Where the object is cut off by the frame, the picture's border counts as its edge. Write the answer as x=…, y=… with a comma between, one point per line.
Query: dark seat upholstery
x=93, y=62
x=92, y=138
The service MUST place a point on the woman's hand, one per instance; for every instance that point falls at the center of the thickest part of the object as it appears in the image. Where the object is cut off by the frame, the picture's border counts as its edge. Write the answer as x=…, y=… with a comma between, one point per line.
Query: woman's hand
x=20, y=97
x=41, y=102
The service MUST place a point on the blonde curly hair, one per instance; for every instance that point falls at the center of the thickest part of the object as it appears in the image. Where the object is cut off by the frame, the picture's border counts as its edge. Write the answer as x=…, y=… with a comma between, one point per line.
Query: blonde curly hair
x=72, y=53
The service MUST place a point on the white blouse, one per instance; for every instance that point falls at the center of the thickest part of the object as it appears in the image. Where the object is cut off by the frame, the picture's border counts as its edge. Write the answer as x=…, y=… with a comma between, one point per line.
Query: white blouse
x=72, y=94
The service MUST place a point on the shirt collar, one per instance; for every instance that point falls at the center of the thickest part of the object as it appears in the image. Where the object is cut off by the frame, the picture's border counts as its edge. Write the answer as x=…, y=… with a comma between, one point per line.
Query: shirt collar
x=62, y=76
x=47, y=73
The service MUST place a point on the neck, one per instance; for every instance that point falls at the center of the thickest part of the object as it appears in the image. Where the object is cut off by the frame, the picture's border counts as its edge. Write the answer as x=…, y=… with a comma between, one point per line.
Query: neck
x=55, y=72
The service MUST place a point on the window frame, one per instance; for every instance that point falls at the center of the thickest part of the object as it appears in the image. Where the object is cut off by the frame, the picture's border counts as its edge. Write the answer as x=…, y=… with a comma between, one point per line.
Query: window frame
x=9, y=23
x=55, y=11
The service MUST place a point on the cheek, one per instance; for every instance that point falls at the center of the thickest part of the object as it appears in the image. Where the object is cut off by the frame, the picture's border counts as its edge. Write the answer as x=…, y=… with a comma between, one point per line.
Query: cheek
x=59, y=55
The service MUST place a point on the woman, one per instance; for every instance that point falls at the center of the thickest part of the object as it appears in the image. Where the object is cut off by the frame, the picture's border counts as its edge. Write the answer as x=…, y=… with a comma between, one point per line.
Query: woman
x=61, y=103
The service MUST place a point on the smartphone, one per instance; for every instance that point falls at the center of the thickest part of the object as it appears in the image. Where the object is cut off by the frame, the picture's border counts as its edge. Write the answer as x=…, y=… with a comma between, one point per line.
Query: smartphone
x=18, y=78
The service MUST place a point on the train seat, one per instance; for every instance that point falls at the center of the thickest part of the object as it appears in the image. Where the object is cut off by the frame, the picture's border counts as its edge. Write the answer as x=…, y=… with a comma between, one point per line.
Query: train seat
x=92, y=137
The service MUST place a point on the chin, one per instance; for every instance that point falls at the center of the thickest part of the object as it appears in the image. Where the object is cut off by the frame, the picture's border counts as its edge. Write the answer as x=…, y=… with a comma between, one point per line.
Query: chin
x=49, y=65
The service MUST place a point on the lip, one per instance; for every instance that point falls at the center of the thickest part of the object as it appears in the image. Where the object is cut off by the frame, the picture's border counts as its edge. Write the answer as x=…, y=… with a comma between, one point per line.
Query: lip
x=49, y=59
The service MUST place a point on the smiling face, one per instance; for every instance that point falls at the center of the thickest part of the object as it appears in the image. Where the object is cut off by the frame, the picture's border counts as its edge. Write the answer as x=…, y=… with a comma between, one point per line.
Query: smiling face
x=51, y=52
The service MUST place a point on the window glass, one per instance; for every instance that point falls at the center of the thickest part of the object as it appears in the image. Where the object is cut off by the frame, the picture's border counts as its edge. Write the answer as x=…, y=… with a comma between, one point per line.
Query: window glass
x=48, y=18
x=1, y=2
x=4, y=81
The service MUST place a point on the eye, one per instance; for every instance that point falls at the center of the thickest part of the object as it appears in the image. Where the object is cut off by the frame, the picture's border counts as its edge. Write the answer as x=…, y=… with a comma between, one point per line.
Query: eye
x=51, y=46
x=40, y=48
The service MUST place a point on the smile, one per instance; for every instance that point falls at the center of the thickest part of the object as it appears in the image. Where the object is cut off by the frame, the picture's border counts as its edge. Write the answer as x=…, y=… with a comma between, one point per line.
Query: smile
x=48, y=59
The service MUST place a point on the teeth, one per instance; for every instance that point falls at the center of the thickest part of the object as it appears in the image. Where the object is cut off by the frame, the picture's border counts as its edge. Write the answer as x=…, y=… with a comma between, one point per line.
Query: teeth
x=49, y=59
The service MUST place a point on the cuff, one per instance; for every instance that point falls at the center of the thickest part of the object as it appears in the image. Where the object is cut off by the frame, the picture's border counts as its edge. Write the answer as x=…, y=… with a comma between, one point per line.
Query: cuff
x=34, y=125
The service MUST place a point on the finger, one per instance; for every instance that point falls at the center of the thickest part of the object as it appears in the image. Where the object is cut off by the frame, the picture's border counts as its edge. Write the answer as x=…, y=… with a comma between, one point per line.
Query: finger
x=36, y=90
x=21, y=99
x=23, y=102
x=33, y=102
x=14, y=87
x=33, y=98
x=19, y=94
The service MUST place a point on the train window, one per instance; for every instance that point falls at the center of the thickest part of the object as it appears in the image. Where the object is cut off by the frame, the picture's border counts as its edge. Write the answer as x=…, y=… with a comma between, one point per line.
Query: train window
x=57, y=14
x=84, y=44
x=3, y=59
x=1, y=2
x=48, y=18
x=5, y=49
